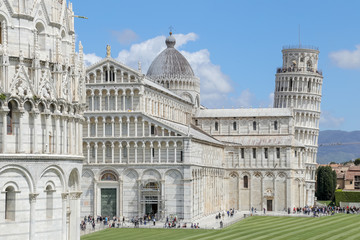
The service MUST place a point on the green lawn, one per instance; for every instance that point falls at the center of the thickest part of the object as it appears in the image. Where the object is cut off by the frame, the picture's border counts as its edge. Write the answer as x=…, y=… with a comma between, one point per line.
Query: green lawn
x=340, y=226
x=325, y=202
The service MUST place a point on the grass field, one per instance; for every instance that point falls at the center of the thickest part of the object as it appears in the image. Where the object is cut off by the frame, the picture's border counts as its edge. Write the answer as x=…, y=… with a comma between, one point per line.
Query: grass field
x=339, y=226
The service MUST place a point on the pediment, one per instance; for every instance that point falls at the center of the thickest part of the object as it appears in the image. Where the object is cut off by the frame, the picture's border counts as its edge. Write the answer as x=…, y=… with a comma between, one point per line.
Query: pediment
x=116, y=64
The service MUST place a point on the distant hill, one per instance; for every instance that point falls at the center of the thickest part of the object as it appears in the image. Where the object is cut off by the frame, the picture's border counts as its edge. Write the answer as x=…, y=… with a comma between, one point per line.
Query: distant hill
x=338, y=153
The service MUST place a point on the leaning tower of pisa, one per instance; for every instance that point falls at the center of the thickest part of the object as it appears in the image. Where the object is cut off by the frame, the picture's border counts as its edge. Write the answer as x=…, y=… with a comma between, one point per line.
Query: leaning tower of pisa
x=298, y=86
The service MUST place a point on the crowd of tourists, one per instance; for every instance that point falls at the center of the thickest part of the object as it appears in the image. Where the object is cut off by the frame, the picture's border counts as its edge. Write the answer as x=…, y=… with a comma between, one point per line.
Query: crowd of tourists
x=174, y=222
x=324, y=211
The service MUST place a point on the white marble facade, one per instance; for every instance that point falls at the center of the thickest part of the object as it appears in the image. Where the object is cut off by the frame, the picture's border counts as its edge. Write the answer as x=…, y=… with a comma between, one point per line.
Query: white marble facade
x=144, y=143
x=147, y=138
x=41, y=109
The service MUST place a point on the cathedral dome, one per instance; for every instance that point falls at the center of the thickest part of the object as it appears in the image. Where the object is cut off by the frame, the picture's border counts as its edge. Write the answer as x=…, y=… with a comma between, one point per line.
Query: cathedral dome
x=170, y=64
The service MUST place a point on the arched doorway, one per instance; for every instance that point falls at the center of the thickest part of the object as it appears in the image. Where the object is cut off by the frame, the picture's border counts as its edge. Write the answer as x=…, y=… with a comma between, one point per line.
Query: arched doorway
x=108, y=194
x=151, y=199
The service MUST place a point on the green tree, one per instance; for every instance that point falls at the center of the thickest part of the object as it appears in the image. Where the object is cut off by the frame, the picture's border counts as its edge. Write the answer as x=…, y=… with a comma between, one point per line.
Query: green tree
x=326, y=183
x=357, y=162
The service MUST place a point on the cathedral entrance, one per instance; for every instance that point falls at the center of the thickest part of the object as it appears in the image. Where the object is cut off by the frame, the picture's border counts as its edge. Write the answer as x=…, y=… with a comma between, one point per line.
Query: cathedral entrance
x=151, y=205
x=150, y=199
x=108, y=202
x=269, y=205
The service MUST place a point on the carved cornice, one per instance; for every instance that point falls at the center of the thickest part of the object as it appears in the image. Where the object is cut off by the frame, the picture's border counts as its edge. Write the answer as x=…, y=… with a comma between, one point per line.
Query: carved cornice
x=32, y=197
x=74, y=195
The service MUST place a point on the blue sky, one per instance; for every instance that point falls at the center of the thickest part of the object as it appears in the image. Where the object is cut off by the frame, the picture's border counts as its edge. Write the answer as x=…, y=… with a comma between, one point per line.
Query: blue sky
x=235, y=46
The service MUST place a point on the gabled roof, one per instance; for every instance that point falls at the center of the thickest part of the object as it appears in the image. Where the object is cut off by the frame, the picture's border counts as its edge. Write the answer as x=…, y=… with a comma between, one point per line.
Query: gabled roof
x=244, y=112
x=191, y=131
x=115, y=62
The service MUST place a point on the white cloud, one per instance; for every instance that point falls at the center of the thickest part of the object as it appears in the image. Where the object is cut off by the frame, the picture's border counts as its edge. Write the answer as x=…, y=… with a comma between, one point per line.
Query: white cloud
x=271, y=99
x=246, y=99
x=91, y=58
x=125, y=37
x=146, y=51
x=215, y=85
x=346, y=59
x=328, y=121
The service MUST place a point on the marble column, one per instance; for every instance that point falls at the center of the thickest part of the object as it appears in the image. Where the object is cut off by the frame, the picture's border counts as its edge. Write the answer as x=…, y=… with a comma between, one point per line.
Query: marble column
x=128, y=126
x=123, y=101
x=21, y=132
x=32, y=199
x=103, y=152
x=96, y=154
x=88, y=128
x=96, y=127
x=103, y=120
x=64, y=197
x=112, y=152
x=57, y=127
x=112, y=127
x=132, y=100
x=116, y=100
x=36, y=130
x=88, y=152
x=4, y=131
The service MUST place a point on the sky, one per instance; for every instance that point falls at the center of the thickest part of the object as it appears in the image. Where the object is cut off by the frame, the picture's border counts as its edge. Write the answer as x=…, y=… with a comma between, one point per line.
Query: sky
x=234, y=47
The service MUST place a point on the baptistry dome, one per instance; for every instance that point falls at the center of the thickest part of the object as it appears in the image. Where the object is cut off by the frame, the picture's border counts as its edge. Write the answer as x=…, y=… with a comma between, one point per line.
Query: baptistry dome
x=170, y=64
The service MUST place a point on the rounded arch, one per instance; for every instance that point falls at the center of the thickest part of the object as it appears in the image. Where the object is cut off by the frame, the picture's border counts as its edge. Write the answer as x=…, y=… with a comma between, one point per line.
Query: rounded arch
x=131, y=173
x=151, y=174
x=12, y=184
x=232, y=174
x=74, y=180
x=187, y=96
x=58, y=171
x=173, y=172
x=24, y=172
x=15, y=102
x=49, y=185
x=108, y=175
x=39, y=24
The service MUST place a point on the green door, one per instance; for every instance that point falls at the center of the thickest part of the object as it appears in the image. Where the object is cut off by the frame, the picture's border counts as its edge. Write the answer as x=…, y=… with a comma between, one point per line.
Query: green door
x=108, y=202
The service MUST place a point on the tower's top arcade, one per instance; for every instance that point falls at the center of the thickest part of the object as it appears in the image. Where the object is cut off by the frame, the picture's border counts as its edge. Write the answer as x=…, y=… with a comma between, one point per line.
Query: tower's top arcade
x=300, y=59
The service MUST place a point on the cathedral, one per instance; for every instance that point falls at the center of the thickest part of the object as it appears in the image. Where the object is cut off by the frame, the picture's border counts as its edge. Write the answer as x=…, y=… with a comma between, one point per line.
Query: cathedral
x=110, y=140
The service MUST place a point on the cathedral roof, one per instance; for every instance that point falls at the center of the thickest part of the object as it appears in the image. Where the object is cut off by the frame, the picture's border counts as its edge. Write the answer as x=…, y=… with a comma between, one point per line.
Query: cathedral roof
x=244, y=112
x=170, y=64
x=261, y=141
x=190, y=130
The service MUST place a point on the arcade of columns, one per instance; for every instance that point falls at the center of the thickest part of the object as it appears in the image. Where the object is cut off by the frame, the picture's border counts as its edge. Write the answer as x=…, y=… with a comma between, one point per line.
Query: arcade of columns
x=56, y=141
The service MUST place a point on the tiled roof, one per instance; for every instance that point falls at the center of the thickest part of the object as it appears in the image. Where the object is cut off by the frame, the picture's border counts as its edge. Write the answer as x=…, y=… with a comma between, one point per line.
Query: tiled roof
x=257, y=140
x=245, y=112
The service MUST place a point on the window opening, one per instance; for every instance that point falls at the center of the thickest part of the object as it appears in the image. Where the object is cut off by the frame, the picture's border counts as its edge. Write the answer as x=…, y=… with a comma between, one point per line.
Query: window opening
x=266, y=152
x=277, y=152
x=10, y=203
x=246, y=182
